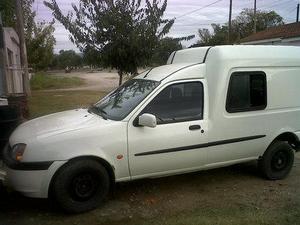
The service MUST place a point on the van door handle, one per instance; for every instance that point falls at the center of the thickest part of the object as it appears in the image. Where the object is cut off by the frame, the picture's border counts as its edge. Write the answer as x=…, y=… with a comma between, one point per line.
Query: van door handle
x=195, y=127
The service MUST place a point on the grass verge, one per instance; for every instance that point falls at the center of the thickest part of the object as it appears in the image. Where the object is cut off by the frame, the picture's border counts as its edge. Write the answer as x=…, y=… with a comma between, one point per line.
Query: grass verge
x=42, y=81
x=43, y=103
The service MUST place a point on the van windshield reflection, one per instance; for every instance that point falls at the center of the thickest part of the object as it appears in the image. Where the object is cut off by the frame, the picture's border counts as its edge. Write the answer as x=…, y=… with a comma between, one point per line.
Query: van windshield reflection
x=118, y=104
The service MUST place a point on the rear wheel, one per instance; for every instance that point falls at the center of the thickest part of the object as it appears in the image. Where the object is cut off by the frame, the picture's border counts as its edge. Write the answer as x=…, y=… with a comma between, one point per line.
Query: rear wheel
x=80, y=186
x=277, y=161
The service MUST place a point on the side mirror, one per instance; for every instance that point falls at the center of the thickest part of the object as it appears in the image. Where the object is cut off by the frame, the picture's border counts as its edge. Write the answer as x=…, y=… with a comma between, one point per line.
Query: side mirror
x=147, y=120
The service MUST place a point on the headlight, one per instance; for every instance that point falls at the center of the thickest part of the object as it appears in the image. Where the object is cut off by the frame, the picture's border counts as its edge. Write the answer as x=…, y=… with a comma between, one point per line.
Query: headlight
x=18, y=151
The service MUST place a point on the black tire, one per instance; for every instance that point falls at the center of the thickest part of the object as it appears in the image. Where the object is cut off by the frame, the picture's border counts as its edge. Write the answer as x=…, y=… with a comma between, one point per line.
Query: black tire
x=80, y=186
x=277, y=161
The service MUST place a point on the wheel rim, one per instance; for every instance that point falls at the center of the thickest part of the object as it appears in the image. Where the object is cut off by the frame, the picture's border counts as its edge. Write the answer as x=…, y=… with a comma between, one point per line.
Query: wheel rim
x=280, y=161
x=84, y=186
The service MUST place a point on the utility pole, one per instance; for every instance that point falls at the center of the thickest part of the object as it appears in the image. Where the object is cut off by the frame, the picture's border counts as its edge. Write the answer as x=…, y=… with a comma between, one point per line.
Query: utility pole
x=298, y=6
x=229, y=22
x=254, y=29
x=2, y=59
x=20, y=31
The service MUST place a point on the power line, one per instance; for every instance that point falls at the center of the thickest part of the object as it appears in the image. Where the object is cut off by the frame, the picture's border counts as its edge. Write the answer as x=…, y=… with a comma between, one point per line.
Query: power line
x=292, y=10
x=195, y=10
x=201, y=24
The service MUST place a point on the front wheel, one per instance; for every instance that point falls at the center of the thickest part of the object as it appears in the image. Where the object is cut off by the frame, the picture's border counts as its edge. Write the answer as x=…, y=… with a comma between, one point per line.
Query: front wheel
x=277, y=161
x=80, y=186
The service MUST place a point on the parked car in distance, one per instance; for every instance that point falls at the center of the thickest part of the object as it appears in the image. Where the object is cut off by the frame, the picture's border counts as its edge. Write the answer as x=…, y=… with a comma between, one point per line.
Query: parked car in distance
x=208, y=107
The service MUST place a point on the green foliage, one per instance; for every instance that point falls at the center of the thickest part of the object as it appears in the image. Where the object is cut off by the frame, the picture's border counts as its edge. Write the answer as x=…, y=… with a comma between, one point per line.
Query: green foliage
x=242, y=26
x=68, y=58
x=7, y=13
x=244, y=23
x=164, y=48
x=123, y=33
x=40, y=44
x=7, y=9
x=42, y=81
x=91, y=57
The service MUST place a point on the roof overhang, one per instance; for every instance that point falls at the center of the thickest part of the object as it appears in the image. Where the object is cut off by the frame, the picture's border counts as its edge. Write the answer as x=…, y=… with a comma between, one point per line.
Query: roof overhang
x=270, y=40
x=291, y=39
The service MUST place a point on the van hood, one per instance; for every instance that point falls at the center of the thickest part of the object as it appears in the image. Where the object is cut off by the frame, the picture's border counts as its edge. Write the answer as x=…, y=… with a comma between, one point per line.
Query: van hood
x=55, y=124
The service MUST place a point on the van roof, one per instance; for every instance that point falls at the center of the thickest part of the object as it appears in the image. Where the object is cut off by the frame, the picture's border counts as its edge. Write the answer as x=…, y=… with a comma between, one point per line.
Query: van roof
x=236, y=52
x=235, y=55
x=161, y=72
x=190, y=55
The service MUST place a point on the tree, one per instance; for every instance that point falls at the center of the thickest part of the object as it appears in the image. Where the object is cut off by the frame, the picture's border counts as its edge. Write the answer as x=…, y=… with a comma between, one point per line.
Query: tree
x=242, y=26
x=217, y=37
x=124, y=33
x=7, y=9
x=165, y=47
x=67, y=58
x=40, y=44
x=91, y=57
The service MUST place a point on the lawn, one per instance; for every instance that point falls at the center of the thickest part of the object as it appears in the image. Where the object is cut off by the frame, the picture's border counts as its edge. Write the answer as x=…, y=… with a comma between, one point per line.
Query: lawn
x=45, y=102
x=43, y=81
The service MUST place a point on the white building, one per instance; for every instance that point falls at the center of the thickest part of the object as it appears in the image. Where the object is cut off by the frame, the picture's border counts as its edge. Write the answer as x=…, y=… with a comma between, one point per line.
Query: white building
x=288, y=34
x=13, y=80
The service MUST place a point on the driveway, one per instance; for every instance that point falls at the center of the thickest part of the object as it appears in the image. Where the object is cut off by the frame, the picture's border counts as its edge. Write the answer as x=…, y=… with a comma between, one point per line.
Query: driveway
x=104, y=81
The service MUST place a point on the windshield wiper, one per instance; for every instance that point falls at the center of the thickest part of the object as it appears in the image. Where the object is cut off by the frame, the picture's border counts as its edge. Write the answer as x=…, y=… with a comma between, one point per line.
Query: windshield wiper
x=98, y=111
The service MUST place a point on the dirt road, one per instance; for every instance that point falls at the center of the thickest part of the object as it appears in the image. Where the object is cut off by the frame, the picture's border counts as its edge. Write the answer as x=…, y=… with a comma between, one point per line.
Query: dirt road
x=232, y=195
x=94, y=81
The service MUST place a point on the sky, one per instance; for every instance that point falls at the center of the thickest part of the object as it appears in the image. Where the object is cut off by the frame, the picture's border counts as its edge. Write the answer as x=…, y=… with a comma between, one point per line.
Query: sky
x=190, y=15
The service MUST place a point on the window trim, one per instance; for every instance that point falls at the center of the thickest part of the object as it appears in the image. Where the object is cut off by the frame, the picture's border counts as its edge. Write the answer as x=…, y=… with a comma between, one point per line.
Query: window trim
x=135, y=121
x=248, y=109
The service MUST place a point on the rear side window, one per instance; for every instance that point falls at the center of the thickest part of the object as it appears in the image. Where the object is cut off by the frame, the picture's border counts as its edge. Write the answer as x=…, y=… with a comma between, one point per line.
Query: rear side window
x=247, y=91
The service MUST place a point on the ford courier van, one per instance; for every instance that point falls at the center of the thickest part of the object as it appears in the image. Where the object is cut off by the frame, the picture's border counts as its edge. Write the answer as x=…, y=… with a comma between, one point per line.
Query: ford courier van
x=208, y=107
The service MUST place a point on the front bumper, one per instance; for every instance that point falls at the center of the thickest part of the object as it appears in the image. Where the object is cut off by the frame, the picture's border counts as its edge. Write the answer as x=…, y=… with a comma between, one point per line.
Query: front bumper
x=32, y=183
x=16, y=165
x=32, y=179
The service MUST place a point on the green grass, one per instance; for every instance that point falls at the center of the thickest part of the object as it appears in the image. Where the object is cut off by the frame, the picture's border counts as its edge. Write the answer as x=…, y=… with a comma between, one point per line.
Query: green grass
x=43, y=103
x=42, y=81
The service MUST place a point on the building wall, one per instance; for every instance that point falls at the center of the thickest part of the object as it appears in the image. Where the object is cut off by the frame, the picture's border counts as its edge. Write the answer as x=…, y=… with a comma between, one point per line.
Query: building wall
x=293, y=43
x=13, y=62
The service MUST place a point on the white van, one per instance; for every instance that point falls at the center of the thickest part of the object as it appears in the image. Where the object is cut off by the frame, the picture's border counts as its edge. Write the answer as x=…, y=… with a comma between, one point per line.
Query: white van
x=209, y=107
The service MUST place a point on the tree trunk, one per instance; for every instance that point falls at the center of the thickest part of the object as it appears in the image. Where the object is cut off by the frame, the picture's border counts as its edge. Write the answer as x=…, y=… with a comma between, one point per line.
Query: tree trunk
x=120, y=77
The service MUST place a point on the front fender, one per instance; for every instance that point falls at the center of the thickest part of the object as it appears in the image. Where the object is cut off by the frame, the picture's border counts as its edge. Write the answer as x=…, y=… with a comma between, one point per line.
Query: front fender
x=108, y=142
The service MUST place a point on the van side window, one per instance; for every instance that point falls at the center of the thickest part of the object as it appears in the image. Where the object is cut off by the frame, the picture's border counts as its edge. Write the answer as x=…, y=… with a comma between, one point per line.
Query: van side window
x=247, y=91
x=177, y=103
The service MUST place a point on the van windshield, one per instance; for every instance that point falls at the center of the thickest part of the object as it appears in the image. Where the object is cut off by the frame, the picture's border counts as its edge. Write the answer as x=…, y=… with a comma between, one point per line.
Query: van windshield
x=118, y=104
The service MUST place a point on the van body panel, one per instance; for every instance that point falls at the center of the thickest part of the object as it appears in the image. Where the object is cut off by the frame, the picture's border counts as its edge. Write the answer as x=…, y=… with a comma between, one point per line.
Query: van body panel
x=165, y=148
